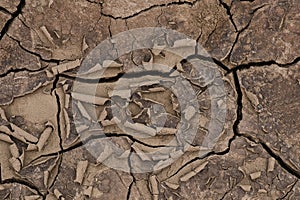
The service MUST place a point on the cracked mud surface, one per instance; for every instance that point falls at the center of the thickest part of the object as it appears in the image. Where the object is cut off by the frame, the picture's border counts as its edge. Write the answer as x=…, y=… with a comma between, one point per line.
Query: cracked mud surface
x=254, y=46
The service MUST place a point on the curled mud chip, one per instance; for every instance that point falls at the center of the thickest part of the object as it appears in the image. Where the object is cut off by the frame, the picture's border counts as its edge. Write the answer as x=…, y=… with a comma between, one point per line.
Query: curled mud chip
x=137, y=95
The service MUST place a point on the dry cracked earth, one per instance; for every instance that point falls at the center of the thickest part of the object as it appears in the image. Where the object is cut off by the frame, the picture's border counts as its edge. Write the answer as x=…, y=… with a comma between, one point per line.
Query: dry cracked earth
x=45, y=126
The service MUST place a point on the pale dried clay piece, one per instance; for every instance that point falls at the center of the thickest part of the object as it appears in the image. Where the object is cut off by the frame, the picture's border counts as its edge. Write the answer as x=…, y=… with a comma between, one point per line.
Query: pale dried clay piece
x=80, y=171
x=19, y=133
x=89, y=98
x=44, y=136
x=140, y=128
x=65, y=67
x=51, y=172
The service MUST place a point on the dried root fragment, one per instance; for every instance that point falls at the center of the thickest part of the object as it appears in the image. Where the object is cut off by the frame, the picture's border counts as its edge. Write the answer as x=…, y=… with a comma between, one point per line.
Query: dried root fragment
x=81, y=168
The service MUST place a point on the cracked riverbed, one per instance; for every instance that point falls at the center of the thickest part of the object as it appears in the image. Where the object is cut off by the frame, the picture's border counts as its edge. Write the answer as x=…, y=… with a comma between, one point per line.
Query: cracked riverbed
x=52, y=119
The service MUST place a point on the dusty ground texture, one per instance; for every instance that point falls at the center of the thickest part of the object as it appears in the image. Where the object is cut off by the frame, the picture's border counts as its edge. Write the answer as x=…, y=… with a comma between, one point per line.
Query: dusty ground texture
x=255, y=46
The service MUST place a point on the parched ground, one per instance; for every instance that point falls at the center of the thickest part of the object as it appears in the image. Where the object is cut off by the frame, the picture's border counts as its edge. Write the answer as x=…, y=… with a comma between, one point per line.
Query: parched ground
x=49, y=117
